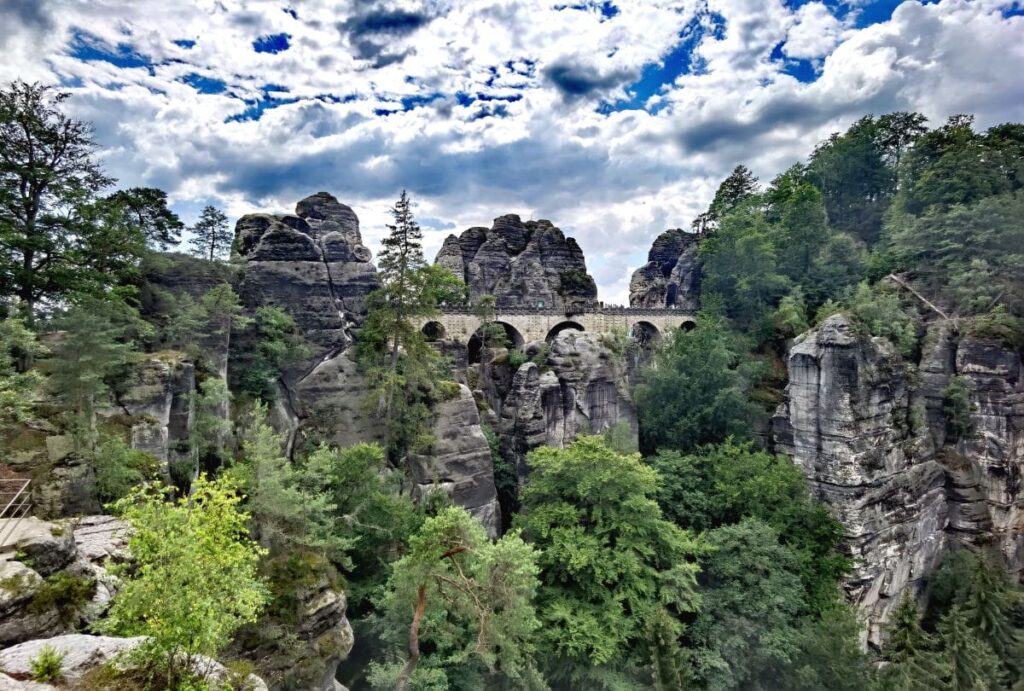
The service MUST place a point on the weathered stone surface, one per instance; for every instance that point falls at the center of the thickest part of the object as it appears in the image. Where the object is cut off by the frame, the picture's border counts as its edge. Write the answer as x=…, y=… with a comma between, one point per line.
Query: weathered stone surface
x=584, y=391
x=521, y=263
x=48, y=547
x=158, y=396
x=459, y=461
x=83, y=653
x=312, y=265
x=330, y=401
x=671, y=276
x=846, y=422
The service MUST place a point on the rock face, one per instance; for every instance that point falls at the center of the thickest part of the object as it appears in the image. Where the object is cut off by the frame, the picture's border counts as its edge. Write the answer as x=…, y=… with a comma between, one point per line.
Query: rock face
x=671, y=276
x=53, y=576
x=582, y=388
x=875, y=447
x=83, y=654
x=459, y=461
x=158, y=396
x=521, y=264
x=312, y=264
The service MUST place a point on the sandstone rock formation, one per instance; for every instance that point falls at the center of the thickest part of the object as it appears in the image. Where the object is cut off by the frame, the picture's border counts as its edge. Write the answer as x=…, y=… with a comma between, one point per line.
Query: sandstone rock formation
x=312, y=264
x=581, y=388
x=83, y=654
x=671, y=276
x=521, y=264
x=459, y=461
x=869, y=432
x=159, y=396
x=39, y=560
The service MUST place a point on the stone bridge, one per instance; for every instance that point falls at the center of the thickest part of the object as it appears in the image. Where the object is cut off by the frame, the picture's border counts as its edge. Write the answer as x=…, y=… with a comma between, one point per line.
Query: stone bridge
x=523, y=325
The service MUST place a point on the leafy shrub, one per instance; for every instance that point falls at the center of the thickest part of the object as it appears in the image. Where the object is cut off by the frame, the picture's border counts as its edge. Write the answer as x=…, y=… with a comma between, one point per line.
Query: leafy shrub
x=877, y=309
x=998, y=326
x=957, y=408
x=516, y=359
x=47, y=666
x=119, y=468
x=65, y=593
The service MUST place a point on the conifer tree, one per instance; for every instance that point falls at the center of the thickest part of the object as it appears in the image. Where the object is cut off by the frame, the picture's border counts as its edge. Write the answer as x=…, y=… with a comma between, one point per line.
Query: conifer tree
x=211, y=237
x=972, y=664
x=987, y=607
x=914, y=664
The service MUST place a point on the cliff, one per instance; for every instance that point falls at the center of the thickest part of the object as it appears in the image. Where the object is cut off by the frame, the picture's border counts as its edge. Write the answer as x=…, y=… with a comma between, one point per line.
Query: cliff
x=870, y=433
x=530, y=263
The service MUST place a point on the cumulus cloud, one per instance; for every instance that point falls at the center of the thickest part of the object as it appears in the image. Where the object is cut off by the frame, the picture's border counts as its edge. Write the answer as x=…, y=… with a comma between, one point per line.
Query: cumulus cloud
x=615, y=120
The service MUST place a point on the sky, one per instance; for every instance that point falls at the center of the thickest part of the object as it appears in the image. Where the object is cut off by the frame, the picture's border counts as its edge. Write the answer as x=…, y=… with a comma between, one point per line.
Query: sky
x=614, y=119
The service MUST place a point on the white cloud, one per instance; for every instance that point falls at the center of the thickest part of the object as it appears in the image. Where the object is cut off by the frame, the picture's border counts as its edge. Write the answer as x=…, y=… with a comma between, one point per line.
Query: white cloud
x=506, y=96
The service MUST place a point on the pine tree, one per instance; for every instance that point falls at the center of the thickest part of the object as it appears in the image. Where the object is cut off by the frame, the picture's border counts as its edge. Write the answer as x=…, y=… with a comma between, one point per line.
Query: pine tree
x=740, y=184
x=987, y=607
x=914, y=664
x=211, y=237
x=400, y=258
x=972, y=664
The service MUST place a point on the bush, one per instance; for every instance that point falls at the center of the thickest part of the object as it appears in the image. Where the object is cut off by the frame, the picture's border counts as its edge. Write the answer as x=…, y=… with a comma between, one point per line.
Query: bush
x=878, y=311
x=119, y=468
x=958, y=409
x=65, y=593
x=47, y=666
x=998, y=326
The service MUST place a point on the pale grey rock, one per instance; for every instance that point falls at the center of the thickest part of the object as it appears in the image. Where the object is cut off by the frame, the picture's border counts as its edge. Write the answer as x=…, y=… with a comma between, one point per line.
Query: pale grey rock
x=83, y=653
x=459, y=462
x=158, y=397
x=46, y=547
x=522, y=264
x=584, y=390
x=330, y=401
x=845, y=422
x=671, y=276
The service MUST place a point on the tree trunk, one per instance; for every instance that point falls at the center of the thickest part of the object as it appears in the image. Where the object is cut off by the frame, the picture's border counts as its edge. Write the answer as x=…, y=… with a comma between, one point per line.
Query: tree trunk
x=414, y=641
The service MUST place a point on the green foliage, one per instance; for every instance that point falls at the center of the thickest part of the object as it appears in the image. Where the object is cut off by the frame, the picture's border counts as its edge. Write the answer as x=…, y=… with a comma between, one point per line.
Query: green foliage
x=877, y=309
x=271, y=344
x=96, y=344
x=958, y=408
x=211, y=426
x=609, y=561
x=60, y=237
x=65, y=593
x=48, y=666
x=576, y=282
x=734, y=190
x=724, y=484
x=211, y=237
x=193, y=577
x=790, y=318
x=829, y=655
x=146, y=208
x=998, y=326
x=693, y=392
x=739, y=263
x=119, y=468
x=746, y=630
x=471, y=606
x=18, y=385
x=971, y=661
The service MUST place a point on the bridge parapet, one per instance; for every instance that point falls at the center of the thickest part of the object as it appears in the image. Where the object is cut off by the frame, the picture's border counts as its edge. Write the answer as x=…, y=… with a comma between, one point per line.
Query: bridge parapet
x=525, y=324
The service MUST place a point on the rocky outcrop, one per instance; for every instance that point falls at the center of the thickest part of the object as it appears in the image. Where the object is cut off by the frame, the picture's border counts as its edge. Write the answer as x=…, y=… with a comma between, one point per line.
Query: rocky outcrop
x=521, y=264
x=53, y=576
x=671, y=276
x=845, y=422
x=581, y=388
x=83, y=654
x=158, y=397
x=869, y=431
x=312, y=265
x=459, y=462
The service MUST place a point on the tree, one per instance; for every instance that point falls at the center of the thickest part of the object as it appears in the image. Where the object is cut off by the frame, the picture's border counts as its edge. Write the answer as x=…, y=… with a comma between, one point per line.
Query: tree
x=897, y=132
x=270, y=345
x=805, y=231
x=609, y=562
x=914, y=664
x=693, y=392
x=56, y=237
x=746, y=631
x=471, y=604
x=96, y=340
x=147, y=209
x=739, y=186
x=18, y=384
x=738, y=262
x=829, y=655
x=972, y=664
x=726, y=483
x=406, y=374
x=211, y=237
x=192, y=579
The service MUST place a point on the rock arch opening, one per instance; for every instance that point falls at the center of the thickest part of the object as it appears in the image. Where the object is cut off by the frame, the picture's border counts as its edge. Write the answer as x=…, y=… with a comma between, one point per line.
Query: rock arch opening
x=644, y=334
x=494, y=335
x=434, y=331
x=562, y=327
x=688, y=325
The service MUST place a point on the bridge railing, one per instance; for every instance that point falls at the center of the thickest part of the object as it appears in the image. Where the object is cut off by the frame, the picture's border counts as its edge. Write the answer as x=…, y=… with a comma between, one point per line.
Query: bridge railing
x=15, y=502
x=550, y=311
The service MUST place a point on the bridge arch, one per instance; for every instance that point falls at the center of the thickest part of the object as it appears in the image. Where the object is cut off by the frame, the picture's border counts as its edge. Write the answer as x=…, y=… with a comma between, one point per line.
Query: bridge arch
x=644, y=333
x=513, y=339
x=558, y=328
x=688, y=325
x=434, y=331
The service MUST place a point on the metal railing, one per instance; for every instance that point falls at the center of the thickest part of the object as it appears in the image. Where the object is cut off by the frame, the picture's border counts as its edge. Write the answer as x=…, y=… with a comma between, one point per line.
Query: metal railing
x=16, y=501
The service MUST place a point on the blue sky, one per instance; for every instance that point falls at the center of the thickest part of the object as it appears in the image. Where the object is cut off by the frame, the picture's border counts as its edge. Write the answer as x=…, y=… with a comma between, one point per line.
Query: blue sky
x=613, y=119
